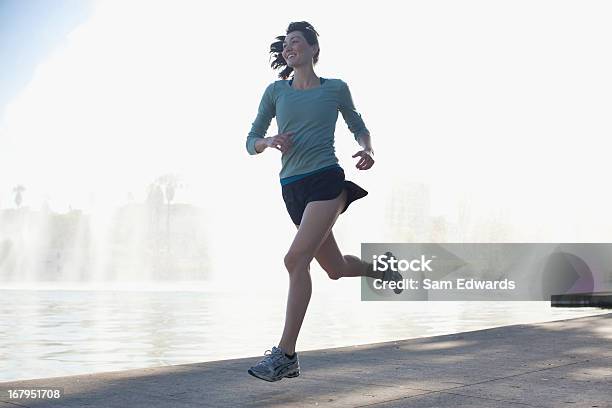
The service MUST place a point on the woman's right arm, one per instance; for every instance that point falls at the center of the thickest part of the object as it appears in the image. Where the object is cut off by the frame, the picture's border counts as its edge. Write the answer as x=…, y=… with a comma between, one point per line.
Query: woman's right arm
x=281, y=142
x=260, y=145
x=265, y=113
x=256, y=142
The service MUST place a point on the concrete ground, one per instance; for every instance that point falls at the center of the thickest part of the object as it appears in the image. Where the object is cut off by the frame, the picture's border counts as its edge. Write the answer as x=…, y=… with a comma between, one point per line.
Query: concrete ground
x=565, y=363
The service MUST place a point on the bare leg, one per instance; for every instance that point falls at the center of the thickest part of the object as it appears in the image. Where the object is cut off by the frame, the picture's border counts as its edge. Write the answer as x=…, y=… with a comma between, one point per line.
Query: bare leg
x=317, y=221
x=337, y=265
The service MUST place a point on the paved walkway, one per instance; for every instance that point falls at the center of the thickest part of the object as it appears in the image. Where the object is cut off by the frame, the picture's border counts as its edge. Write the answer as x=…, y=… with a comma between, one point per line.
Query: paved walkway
x=565, y=363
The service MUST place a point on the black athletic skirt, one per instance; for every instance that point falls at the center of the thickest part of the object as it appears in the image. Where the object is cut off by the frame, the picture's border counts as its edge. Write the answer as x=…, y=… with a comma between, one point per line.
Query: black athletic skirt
x=324, y=185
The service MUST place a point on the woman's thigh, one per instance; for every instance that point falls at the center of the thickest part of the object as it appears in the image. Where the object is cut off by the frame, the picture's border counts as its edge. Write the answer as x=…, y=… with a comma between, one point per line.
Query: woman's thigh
x=330, y=258
x=318, y=219
x=328, y=255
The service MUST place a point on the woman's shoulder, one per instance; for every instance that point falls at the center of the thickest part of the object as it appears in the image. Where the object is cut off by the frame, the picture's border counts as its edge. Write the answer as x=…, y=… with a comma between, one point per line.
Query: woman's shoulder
x=277, y=85
x=272, y=87
x=336, y=83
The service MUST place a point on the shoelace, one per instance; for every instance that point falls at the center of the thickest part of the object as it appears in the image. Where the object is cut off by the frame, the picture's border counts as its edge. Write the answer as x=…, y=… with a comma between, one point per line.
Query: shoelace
x=274, y=355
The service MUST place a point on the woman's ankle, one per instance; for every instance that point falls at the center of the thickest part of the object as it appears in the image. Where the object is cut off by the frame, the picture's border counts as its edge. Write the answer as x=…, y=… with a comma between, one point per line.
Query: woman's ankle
x=372, y=273
x=289, y=351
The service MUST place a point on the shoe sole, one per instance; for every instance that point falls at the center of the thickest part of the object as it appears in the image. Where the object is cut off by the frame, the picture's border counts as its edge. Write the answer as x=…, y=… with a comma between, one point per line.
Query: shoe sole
x=290, y=375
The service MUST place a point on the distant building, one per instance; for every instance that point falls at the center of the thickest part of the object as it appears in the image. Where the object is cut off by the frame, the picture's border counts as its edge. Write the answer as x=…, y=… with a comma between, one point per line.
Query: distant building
x=408, y=212
x=47, y=246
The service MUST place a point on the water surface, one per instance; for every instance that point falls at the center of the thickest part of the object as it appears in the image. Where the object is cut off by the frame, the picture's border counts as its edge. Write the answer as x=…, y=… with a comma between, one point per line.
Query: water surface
x=48, y=333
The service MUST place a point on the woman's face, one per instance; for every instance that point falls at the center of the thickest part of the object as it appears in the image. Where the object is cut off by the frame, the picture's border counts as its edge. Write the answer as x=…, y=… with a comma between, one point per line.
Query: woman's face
x=296, y=50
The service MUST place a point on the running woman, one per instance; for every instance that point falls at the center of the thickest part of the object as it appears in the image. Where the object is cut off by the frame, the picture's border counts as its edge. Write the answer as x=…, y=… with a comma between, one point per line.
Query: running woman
x=313, y=184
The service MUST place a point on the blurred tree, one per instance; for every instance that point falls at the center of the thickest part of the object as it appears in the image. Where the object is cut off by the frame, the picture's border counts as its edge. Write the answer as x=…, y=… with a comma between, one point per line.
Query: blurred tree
x=18, y=197
x=155, y=204
x=169, y=182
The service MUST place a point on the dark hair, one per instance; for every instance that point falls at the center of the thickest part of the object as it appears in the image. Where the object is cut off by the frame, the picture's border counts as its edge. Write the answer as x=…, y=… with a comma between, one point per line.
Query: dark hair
x=276, y=48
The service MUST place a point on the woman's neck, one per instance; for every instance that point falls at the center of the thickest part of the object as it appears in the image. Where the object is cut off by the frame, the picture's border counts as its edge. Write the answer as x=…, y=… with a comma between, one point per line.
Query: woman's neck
x=304, y=79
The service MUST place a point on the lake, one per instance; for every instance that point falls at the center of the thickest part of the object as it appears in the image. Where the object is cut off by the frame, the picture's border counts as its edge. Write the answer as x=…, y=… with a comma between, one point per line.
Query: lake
x=60, y=332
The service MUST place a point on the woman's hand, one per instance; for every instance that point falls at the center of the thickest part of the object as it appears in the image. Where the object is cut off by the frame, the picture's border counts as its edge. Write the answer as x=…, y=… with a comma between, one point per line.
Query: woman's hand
x=281, y=141
x=367, y=159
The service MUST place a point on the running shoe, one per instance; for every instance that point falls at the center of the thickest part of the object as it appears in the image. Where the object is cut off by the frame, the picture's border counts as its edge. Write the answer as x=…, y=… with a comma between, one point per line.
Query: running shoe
x=276, y=366
x=390, y=275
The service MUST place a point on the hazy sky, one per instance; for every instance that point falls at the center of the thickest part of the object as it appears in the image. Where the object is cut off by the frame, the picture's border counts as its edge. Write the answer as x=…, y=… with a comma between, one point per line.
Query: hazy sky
x=30, y=31
x=504, y=105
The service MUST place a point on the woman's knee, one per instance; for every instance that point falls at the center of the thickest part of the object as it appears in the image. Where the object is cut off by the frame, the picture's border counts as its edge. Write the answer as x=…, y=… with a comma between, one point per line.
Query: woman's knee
x=338, y=272
x=330, y=258
x=334, y=270
x=296, y=261
x=346, y=268
x=334, y=274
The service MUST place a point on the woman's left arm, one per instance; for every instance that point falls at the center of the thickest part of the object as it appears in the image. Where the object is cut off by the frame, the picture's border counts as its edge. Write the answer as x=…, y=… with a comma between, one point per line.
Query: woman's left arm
x=367, y=154
x=356, y=126
x=366, y=142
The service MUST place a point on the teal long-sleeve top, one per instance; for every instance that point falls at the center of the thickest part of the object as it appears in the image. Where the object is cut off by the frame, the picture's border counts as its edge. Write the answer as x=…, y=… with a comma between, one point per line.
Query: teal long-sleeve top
x=312, y=115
